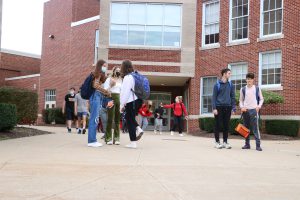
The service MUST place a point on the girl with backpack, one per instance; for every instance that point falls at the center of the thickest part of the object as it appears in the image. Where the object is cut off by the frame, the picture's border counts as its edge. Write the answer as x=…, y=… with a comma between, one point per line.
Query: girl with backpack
x=130, y=103
x=179, y=109
x=145, y=112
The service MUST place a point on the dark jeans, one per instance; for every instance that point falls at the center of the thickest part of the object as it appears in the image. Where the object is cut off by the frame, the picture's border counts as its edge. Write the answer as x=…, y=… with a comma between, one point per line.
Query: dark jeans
x=250, y=119
x=223, y=117
x=177, y=122
x=132, y=109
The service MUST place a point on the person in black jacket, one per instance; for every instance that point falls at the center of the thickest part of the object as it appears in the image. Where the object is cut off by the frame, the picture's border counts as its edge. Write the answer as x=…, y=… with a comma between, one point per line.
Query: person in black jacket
x=158, y=115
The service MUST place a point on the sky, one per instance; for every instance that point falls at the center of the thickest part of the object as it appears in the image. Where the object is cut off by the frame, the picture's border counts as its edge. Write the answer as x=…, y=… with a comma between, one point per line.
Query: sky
x=22, y=25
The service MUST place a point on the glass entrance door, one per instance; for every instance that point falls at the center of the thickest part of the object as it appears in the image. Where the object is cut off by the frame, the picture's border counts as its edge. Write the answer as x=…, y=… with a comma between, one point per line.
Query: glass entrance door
x=157, y=98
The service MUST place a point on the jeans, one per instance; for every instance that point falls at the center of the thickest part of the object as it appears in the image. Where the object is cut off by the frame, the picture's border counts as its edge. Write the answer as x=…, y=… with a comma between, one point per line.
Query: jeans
x=177, y=122
x=158, y=124
x=103, y=117
x=95, y=106
x=113, y=118
x=144, y=122
x=223, y=117
x=251, y=122
x=131, y=112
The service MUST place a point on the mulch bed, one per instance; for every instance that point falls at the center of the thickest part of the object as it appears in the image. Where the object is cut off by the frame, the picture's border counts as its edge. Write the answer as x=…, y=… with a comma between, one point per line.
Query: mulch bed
x=20, y=132
x=263, y=136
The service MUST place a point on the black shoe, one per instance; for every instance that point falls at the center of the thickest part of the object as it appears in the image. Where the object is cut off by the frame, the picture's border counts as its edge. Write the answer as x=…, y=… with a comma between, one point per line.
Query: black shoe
x=79, y=131
x=139, y=136
x=69, y=130
x=247, y=146
x=258, y=149
x=84, y=131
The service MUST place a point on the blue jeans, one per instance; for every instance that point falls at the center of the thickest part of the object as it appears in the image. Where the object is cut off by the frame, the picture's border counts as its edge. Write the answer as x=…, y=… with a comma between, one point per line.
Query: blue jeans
x=95, y=106
x=144, y=122
x=103, y=117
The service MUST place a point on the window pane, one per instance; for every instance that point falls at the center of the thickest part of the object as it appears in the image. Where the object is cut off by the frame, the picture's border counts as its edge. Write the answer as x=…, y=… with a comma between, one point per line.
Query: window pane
x=272, y=4
x=234, y=12
x=154, y=14
x=264, y=79
x=136, y=35
x=278, y=3
x=266, y=29
x=118, y=34
x=266, y=17
x=272, y=28
x=154, y=35
x=171, y=36
x=119, y=13
x=137, y=14
x=277, y=78
x=172, y=15
x=272, y=16
x=266, y=5
x=207, y=87
x=278, y=15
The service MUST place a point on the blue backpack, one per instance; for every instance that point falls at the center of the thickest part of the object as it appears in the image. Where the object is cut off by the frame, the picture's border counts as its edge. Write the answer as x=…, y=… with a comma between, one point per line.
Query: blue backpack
x=142, y=86
x=257, y=93
x=87, y=89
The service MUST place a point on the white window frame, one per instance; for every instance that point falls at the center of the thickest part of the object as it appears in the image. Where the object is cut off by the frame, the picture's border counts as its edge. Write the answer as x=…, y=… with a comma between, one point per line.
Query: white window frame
x=203, y=25
x=96, y=48
x=269, y=86
x=238, y=63
x=261, y=28
x=230, y=25
x=50, y=102
x=201, y=94
x=145, y=25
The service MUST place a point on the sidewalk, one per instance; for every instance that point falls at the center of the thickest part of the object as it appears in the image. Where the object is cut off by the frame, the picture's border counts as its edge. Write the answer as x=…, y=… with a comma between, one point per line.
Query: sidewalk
x=164, y=167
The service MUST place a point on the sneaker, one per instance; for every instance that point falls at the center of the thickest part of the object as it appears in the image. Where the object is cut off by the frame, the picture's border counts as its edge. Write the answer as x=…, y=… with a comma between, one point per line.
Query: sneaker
x=226, y=145
x=79, y=131
x=94, y=144
x=69, y=130
x=160, y=133
x=109, y=142
x=132, y=145
x=180, y=134
x=155, y=132
x=172, y=132
x=140, y=133
x=246, y=146
x=84, y=131
x=258, y=149
x=218, y=145
x=117, y=142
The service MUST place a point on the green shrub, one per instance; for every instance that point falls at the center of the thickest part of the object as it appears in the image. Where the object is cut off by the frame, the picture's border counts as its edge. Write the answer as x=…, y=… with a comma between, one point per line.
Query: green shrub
x=8, y=116
x=283, y=127
x=53, y=115
x=269, y=97
x=207, y=124
x=26, y=103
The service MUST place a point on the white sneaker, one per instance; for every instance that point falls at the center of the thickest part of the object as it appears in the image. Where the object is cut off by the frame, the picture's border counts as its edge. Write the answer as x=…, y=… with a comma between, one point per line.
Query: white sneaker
x=132, y=145
x=94, y=144
x=160, y=133
x=140, y=133
x=226, y=145
x=109, y=142
x=181, y=135
x=172, y=132
x=117, y=142
x=218, y=145
x=155, y=132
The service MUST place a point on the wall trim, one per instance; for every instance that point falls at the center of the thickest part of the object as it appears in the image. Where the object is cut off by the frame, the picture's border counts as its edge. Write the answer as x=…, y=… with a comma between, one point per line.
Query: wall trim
x=84, y=21
x=22, y=77
x=172, y=64
x=20, y=53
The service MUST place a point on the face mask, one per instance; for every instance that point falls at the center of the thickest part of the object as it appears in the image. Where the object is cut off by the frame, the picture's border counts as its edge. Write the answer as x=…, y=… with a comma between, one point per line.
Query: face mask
x=72, y=92
x=104, y=69
x=118, y=74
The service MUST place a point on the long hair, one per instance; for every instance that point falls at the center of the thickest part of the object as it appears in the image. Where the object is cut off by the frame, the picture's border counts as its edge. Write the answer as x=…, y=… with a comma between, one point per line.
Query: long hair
x=114, y=71
x=126, y=68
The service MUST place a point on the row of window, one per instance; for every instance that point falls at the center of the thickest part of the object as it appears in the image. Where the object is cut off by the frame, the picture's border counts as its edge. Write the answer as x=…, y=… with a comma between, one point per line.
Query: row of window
x=271, y=20
x=270, y=64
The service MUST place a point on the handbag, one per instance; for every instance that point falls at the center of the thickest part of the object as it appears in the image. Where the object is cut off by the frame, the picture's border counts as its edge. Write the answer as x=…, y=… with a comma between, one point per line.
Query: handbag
x=242, y=130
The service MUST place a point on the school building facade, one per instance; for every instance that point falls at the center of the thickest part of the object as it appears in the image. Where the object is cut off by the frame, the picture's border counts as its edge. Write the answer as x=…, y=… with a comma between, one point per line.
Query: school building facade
x=180, y=45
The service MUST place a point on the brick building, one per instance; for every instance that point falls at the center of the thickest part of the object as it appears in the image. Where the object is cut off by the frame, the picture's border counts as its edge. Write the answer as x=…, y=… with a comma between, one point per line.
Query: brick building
x=181, y=45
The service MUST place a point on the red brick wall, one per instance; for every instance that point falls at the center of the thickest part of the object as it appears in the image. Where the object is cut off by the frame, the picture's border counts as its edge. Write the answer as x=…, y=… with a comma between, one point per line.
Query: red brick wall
x=210, y=62
x=27, y=83
x=83, y=9
x=6, y=74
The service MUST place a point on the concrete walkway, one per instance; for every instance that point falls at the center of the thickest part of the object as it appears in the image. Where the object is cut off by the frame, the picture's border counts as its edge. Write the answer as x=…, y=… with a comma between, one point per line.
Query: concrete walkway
x=61, y=166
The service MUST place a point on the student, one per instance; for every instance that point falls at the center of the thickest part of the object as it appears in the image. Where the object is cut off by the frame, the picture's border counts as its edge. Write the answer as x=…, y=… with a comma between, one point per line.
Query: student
x=113, y=85
x=179, y=109
x=144, y=113
x=96, y=102
x=70, y=109
x=223, y=104
x=82, y=111
x=158, y=115
x=130, y=103
x=251, y=101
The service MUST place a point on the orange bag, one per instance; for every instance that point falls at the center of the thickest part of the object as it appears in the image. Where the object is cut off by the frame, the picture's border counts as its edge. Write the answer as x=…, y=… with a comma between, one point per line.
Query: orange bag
x=242, y=130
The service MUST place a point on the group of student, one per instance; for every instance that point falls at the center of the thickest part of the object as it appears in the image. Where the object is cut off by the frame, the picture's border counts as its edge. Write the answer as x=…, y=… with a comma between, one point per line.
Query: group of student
x=114, y=96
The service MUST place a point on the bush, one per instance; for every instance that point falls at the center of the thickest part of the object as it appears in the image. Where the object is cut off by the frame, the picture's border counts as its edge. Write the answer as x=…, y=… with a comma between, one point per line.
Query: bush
x=53, y=115
x=26, y=103
x=283, y=127
x=269, y=97
x=207, y=124
x=8, y=116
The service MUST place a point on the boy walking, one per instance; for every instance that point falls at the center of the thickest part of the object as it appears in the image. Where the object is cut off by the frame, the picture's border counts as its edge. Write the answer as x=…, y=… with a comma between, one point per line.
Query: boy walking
x=251, y=101
x=70, y=109
x=223, y=103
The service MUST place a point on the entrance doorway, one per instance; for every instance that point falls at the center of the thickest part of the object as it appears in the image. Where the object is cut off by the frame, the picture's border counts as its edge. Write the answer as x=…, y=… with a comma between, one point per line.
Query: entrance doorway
x=157, y=98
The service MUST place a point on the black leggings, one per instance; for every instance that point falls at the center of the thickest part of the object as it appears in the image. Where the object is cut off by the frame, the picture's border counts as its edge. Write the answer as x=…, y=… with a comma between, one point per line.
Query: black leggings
x=132, y=109
x=177, y=122
x=223, y=117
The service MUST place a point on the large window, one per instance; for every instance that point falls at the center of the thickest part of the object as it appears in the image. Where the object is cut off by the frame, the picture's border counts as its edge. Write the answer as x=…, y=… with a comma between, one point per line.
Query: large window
x=96, y=46
x=238, y=75
x=211, y=16
x=207, y=85
x=145, y=24
x=270, y=68
x=271, y=17
x=239, y=19
x=50, y=98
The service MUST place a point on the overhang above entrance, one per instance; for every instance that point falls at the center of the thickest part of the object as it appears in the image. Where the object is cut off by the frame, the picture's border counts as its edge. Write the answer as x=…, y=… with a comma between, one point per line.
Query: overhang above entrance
x=167, y=79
